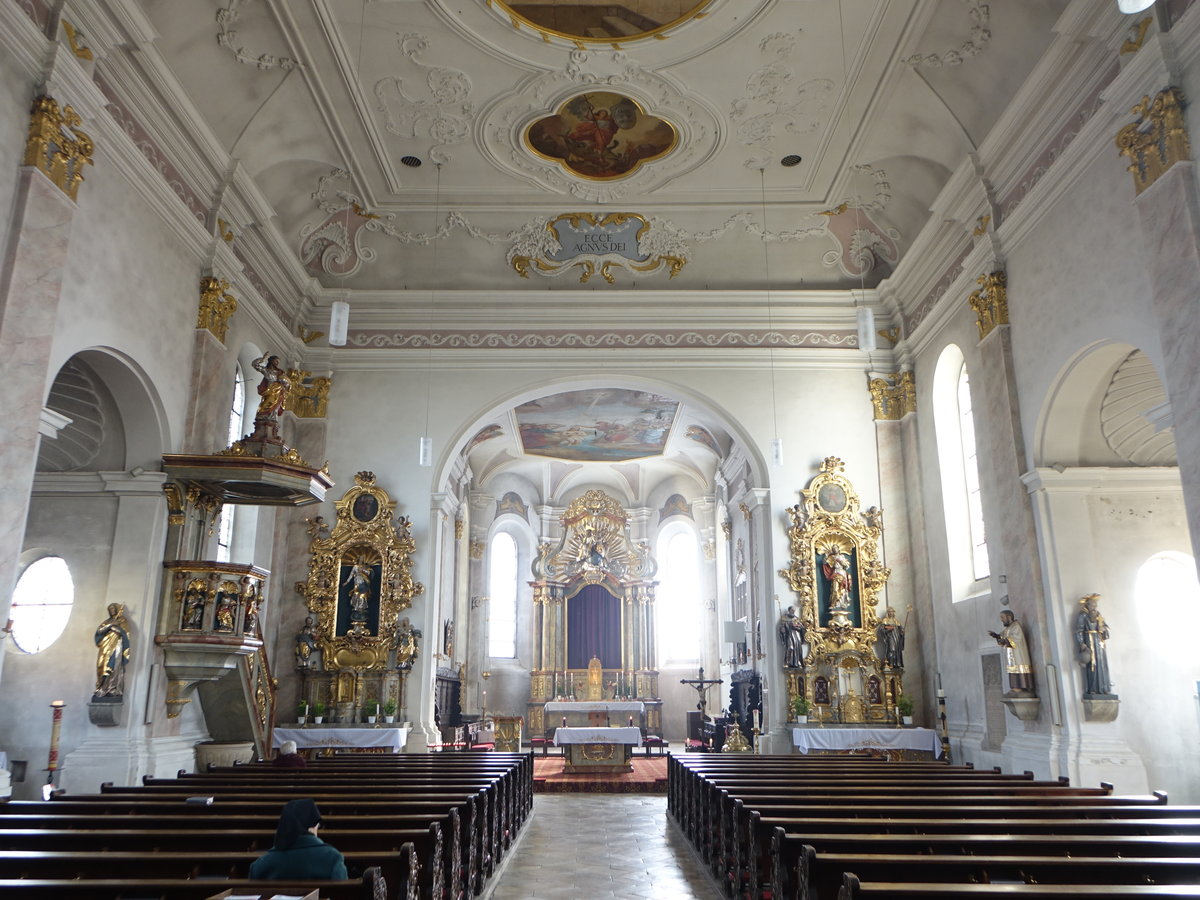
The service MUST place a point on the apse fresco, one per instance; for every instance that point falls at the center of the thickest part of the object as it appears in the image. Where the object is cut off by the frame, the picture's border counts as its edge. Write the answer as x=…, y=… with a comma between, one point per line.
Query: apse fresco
x=610, y=425
x=601, y=20
x=601, y=134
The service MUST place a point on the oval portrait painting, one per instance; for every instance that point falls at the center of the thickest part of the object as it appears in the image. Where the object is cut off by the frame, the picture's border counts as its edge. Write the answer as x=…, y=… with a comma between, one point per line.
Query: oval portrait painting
x=601, y=135
x=588, y=20
x=366, y=507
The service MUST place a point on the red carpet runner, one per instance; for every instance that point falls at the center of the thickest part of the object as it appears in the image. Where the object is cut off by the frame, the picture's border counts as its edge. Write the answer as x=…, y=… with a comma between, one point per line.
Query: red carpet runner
x=649, y=776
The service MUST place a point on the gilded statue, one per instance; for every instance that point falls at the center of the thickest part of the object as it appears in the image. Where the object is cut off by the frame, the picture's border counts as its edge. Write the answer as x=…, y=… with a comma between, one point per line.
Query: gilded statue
x=406, y=644
x=112, y=652
x=306, y=643
x=836, y=569
x=273, y=392
x=1016, y=653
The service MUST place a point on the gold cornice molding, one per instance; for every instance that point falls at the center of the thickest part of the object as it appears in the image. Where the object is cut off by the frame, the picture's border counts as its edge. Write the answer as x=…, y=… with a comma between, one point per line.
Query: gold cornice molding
x=1157, y=140
x=56, y=146
x=217, y=306
x=893, y=396
x=990, y=302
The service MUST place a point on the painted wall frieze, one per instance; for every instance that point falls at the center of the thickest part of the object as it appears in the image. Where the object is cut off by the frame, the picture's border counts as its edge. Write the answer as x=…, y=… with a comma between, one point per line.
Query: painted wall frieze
x=584, y=338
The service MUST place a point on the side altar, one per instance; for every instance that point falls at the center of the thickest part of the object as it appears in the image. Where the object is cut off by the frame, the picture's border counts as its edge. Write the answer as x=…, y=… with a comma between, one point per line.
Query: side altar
x=595, y=622
x=841, y=657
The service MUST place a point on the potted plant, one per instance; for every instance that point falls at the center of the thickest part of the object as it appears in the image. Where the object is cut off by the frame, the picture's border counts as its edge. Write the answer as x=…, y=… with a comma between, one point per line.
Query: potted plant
x=301, y=712
x=389, y=711
x=800, y=708
x=372, y=707
x=318, y=713
x=904, y=705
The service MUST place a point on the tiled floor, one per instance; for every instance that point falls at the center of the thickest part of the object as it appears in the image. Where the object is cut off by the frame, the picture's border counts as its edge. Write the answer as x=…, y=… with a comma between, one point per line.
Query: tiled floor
x=601, y=846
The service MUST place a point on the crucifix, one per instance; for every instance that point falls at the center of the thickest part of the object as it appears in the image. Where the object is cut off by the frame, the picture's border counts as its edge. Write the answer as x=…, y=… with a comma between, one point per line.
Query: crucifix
x=701, y=684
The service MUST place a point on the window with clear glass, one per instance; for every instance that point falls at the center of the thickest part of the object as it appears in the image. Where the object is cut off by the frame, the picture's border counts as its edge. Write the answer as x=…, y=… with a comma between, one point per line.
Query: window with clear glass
x=237, y=413
x=42, y=604
x=958, y=462
x=502, y=596
x=1167, y=588
x=678, y=596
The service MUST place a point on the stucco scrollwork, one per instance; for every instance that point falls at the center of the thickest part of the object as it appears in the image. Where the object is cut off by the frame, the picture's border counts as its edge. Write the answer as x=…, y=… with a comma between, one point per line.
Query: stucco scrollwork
x=979, y=36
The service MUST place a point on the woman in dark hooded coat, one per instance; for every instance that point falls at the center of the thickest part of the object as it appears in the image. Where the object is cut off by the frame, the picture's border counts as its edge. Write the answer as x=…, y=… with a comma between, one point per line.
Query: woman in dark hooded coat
x=298, y=853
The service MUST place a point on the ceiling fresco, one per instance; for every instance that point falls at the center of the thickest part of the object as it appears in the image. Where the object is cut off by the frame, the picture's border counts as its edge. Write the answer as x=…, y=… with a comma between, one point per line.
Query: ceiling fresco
x=605, y=425
x=601, y=134
x=600, y=20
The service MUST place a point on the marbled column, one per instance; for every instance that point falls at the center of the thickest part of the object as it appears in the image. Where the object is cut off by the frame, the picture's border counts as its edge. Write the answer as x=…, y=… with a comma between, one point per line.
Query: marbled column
x=1170, y=225
x=30, y=286
x=1012, y=540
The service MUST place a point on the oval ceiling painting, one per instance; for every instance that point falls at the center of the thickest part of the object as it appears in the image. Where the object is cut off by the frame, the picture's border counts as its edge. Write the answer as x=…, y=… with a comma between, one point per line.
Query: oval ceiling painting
x=601, y=20
x=601, y=135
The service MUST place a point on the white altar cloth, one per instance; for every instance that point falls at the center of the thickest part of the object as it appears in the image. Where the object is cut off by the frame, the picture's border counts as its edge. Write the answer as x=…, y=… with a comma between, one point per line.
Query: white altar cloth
x=354, y=738
x=612, y=706
x=806, y=739
x=598, y=735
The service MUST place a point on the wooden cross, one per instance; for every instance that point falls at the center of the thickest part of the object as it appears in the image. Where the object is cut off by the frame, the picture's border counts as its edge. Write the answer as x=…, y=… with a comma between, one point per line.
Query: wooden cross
x=701, y=684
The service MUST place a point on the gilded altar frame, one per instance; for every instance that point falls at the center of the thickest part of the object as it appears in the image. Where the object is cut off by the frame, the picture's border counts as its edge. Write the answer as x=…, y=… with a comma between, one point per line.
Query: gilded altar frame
x=836, y=571
x=358, y=619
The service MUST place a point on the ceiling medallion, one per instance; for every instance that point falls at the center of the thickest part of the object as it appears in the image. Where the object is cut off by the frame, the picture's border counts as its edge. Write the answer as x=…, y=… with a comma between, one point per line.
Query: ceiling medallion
x=614, y=24
x=601, y=135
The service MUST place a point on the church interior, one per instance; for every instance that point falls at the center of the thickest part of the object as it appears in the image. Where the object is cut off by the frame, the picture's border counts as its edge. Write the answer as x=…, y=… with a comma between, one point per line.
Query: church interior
x=419, y=374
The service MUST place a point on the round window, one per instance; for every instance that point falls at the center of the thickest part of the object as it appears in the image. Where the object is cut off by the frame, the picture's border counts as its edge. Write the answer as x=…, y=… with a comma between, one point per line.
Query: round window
x=42, y=604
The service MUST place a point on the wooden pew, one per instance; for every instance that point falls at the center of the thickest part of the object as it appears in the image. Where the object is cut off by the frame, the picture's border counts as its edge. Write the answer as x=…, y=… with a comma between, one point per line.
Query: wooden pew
x=370, y=887
x=854, y=889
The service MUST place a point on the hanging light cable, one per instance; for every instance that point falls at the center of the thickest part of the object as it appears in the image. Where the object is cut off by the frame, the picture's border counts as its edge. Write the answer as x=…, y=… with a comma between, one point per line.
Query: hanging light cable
x=864, y=315
x=425, y=451
x=777, y=441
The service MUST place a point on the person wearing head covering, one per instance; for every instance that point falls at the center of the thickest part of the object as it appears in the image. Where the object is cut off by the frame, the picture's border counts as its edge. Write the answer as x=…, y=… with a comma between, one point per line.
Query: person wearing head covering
x=288, y=758
x=298, y=853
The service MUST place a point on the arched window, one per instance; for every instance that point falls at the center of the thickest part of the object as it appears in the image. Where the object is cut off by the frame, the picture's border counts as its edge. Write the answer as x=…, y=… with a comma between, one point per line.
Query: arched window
x=502, y=596
x=954, y=423
x=42, y=604
x=1167, y=587
x=678, y=595
x=237, y=413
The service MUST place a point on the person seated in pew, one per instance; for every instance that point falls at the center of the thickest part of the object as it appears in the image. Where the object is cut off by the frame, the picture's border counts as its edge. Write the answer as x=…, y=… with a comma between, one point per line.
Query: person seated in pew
x=288, y=758
x=298, y=852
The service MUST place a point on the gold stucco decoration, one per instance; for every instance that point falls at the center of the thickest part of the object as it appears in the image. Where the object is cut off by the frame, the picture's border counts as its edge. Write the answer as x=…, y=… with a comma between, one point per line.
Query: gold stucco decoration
x=217, y=306
x=893, y=396
x=309, y=397
x=990, y=302
x=56, y=146
x=1157, y=140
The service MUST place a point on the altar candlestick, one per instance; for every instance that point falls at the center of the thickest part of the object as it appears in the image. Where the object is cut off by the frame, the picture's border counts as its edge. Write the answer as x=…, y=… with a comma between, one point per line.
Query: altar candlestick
x=631, y=721
x=564, y=725
x=941, y=693
x=756, y=718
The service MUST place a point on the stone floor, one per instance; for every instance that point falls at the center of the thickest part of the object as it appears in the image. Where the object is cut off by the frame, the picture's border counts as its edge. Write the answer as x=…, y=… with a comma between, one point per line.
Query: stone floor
x=600, y=846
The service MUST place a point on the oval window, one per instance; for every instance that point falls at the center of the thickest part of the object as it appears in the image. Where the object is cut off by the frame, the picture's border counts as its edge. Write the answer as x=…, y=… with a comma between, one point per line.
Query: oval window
x=42, y=604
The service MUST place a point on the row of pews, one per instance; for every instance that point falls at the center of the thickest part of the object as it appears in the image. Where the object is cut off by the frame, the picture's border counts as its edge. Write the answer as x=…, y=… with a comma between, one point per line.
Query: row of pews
x=419, y=827
x=845, y=827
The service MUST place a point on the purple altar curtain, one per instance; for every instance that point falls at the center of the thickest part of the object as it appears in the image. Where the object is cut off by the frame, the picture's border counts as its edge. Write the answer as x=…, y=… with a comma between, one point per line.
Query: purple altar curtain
x=593, y=628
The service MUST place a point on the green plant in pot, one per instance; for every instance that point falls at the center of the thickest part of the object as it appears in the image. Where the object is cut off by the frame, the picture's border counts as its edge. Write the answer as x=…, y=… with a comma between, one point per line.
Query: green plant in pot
x=389, y=710
x=905, y=705
x=372, y=707
x=800, y=708
x=302, y=711
x=318, y=712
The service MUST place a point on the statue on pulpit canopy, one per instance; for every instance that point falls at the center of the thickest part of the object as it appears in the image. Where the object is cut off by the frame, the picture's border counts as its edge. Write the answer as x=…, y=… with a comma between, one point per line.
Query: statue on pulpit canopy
x=273, y=392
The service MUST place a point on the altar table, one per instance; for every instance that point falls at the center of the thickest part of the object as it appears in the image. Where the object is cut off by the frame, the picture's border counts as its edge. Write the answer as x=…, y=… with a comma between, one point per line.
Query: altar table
x=892, y=741
x=388, y=738
x=597, y=749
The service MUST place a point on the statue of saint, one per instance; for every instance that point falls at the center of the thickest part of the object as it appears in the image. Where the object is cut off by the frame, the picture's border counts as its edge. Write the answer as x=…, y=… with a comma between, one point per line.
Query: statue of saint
x=406, y=645
x=836, y=569
x=1091, y=637
x=890, y=633
x=1016, y=653
x=273, y=392
x=112, y=653
x=448, y=638
x=306, y=643
x=193, y=606
x=792, y=634
x=359, y=579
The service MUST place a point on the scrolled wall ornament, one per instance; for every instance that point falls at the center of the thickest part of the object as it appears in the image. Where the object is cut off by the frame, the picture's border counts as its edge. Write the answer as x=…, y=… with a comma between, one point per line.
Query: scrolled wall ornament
x=217, y=306
x=990, y=302
x=1157, y=140
x=893, y=396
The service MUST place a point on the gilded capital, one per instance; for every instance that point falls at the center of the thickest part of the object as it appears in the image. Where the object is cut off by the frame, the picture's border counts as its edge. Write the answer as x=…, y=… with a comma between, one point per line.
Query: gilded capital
x=217, y=306
x=1157, y=140
x=893, y=396
x=990, y=302
x=309, y=397
x=56, y=146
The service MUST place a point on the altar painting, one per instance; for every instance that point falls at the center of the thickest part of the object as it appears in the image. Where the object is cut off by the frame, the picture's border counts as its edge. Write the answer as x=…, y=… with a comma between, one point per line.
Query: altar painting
x=838, y=585
x=614, y=425
x=358, y=597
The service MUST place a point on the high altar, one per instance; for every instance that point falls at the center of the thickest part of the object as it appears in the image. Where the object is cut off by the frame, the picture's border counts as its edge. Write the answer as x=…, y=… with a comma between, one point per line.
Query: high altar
x=593, y=596
x=840, y=654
